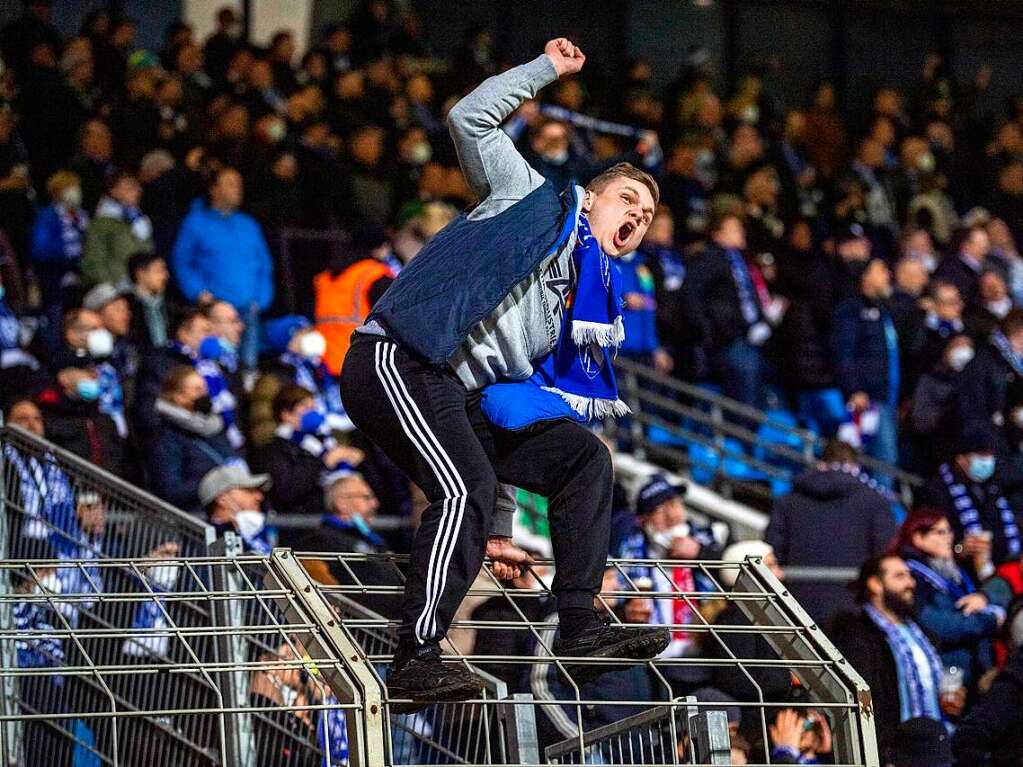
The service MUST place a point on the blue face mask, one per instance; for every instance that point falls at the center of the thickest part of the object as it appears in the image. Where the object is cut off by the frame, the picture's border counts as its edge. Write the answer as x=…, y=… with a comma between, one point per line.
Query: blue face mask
x=1, y=292
x=982, y=467
x=311, y=421
x=211, y=348
x=88, y=389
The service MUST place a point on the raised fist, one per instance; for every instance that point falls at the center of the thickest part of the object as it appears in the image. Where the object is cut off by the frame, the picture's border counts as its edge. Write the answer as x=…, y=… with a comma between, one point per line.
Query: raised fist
x=567, y=58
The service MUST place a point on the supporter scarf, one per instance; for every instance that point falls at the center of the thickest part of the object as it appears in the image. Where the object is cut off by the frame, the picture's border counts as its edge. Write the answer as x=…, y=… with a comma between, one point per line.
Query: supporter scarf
x=356, y=525
x=141, y=227
x=10, y=328
x=37, y=650
x=1001, y=343
x=578, y=372
x=744, y=287
x=332, y=734
x=918, y=694
x=224, y=402
x=855, y=471
x=681, y=610
x=955, y=588
x=969, y=517
x=72, y=229
x=317, y=379
x=317, y=444
x=111, y=397
x=46, y=496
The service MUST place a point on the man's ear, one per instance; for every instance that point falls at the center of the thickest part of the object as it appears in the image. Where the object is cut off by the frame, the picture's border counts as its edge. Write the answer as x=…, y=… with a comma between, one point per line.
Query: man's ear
x=588, y=197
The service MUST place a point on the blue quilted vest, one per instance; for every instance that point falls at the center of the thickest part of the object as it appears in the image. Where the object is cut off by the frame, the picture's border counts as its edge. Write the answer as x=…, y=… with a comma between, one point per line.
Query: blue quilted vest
x=463, y=274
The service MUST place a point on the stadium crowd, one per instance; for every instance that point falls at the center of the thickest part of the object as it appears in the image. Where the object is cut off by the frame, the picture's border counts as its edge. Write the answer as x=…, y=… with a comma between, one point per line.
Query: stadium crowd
x=862, y=273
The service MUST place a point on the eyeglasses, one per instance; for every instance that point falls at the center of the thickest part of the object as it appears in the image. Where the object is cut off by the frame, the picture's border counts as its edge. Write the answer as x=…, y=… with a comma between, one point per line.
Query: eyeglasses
x=942, y=531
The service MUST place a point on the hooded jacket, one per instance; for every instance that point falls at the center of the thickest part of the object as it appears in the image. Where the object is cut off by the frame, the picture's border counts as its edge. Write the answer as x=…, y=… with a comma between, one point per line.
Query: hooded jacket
x=832, y=517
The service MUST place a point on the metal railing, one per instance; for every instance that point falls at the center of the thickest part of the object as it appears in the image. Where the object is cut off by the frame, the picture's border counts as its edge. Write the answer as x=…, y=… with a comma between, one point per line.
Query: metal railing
x=729, y=431
x=328, y=665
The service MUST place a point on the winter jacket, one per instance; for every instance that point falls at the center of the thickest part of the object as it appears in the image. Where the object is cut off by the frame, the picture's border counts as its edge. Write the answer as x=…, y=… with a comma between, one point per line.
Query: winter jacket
x=80, y=428
x=934, y=418
x=155, y=365
x=866, y=649
x=183, y=449
x=860, y=350
x=110, y=242
x=990, y=735
x=295, y=473
x=640, y=323
x=831, y=518
x=964, y=641
x=224, y=254
x=990, y=390
x=51, y=247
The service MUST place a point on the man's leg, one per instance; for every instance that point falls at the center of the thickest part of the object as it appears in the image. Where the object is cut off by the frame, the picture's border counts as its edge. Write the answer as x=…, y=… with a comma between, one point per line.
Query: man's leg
x=416, y=414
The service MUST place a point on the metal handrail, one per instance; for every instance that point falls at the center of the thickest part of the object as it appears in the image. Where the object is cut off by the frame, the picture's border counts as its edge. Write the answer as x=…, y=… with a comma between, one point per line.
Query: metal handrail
x=641, y=385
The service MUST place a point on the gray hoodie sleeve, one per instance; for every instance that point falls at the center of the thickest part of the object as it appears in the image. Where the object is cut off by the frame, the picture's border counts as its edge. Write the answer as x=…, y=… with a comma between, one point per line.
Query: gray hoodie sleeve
x=497, y=173
x=504, y=512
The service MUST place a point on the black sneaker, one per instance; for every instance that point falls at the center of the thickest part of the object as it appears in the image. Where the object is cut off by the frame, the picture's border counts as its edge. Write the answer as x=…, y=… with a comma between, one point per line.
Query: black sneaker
x=426, y=680
x=609, y=640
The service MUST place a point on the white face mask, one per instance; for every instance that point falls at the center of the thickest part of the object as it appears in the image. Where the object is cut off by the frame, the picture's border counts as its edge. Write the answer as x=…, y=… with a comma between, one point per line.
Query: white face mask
x=421, y=153
x=560, y=157
x=1000, y=308
x=164, y=577
x=662, y=539
x=249, y=523
x=288, y=694
x=312, y=345
x=72, y=196
x=49, y=584
x=100, y=343
x=960, y=357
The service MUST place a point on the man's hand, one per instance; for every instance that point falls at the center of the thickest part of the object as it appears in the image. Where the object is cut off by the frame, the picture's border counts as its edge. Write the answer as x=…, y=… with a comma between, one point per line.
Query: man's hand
x=663, y=363
x=787, y=730
x=566, y=57
x=507, y=560
x=685, y=548
x=972, y=603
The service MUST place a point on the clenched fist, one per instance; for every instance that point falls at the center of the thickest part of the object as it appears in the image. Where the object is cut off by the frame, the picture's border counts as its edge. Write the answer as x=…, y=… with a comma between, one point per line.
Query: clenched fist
x=567, y=58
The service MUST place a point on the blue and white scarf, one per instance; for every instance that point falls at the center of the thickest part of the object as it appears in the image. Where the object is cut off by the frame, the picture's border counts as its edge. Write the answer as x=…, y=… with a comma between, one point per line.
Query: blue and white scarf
x=918, y=688
x=224, y=402
x=744, y=287
x=10, y=328
x=576, y=380
x=317, y=444
x=325, y=388
x=332, y=734
x=141, y=226
x=37, y=650
x=111, y=397
x=72, y=230
x=1001, y=343
x=969, y=517
x=46, y=496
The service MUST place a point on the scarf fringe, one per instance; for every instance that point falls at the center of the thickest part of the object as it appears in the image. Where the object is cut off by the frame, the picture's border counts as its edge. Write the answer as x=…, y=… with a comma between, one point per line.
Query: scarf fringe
x=590, y=407
x=603, y=334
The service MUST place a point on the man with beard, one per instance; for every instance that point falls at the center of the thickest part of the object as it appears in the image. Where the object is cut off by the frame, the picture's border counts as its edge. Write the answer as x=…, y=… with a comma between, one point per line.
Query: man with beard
x=889, y=650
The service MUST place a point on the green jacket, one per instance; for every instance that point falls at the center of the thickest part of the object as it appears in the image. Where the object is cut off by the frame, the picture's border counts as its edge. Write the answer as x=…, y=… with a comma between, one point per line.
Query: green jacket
x=109, y=243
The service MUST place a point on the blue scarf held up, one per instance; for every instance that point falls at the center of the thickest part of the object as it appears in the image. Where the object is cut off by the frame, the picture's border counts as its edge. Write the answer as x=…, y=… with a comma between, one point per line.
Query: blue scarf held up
x=576, y=380
x=969, y=517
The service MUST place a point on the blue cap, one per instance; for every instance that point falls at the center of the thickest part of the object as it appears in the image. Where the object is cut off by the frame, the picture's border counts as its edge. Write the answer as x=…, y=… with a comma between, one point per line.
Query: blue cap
x=655, y=492
x=279, y=332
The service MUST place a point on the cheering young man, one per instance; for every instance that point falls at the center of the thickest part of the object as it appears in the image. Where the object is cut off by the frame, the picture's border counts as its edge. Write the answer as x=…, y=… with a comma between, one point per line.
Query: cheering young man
x=480, y=364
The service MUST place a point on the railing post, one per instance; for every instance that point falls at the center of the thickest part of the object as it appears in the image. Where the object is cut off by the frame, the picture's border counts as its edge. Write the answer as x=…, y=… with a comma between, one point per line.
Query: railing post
x=635, y=404
x=708, y=732
x=11, y=732
x=519, y=719
x=239, y=747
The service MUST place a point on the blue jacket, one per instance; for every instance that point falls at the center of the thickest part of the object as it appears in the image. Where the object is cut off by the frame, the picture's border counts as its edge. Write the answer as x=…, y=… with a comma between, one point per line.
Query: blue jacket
x=462, y=274
x=178, y=460
x=863, y=358
x=48, y=245
x=640, y=324
x=224, y=254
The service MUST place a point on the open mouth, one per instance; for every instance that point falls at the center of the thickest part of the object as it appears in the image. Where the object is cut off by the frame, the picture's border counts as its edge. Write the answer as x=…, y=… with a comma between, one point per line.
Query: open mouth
x=624, y=233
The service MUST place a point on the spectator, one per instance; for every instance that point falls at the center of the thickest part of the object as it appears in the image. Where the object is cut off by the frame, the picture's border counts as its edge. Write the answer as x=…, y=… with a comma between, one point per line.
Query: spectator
x=118, y=231
x=639, y=314
x=943, y=319
x=303, y=457
x=934, y=417
x=92, y=163
x=115, y=315
x=147, y=301
x=300, y=349
x=71, y=411
x=220, y=253
x=19, y=370
x=835, y=516
x=891, y=653
x=346, y=528
x=963, y=266
x=189, y=440
x=960, y=619
x=733, y=315
x=985, y=525
x=57, y=249
x=344, y=297
x=88, y=341
x=232, y=498
x=227, y=327
x=866, y=360
x=221, y=45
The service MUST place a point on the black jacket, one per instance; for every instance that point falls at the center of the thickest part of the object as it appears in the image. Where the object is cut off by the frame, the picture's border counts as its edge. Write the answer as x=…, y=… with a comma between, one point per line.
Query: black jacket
x=990, y=735
x=155, y=365
x=864, y=646
x=831, y=518
x=989, y=390
x=934, y=419
x=80, y=428
x=860, y=348
x=714, y=285
x=953, y=269
x=296, y=476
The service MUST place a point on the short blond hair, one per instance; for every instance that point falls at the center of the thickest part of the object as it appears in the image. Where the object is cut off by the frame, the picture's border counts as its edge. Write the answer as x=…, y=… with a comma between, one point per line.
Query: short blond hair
x=625, y=170
x=59, y=181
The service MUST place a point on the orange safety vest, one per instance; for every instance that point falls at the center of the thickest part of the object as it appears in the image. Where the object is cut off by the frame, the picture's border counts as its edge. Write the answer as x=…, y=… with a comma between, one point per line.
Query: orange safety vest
x=342, y=305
